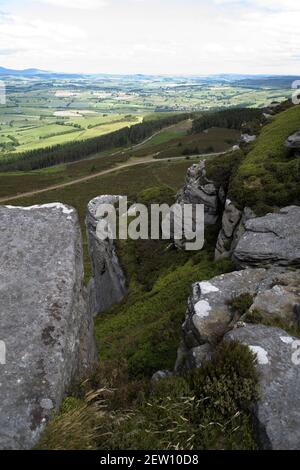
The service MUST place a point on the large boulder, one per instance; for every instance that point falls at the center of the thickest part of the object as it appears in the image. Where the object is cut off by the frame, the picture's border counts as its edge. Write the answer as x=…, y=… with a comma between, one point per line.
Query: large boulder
x=108, y=284
x=276, y=415
x=45, y=324
x=209, y=313
x=270, y=240
x=293, y=141
x=216, y=306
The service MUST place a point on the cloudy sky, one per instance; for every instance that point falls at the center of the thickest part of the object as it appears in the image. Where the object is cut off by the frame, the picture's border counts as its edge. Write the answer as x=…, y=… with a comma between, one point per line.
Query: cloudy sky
x=151, y=36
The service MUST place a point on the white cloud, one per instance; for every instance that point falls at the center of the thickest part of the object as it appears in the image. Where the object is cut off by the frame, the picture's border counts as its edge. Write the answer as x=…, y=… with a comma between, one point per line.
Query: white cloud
x=80, y=4
x=131, y=36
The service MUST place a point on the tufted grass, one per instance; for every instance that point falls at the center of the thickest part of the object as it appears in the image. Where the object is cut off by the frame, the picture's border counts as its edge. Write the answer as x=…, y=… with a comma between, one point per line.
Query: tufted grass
x=269, y=176
x=207, y=409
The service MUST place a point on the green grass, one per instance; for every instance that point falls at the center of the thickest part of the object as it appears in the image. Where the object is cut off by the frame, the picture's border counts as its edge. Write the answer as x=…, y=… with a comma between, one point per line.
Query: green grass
x=146, y=328
x=46, y=133
x=215, y=140
x=269, y=175
x=173, y=132
x=207, y=409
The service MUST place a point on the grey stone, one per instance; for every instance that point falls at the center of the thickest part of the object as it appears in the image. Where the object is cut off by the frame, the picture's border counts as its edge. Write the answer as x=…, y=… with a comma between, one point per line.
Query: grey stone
x=281, y=299
x=246, y=138
x=209, y=314
x=160, y=375
x=197, y=356
x=44, y=319
x=233, y=227
x=270, y=240
x=230, y=220
x=189, y=358
x=240, y=229
x=276, y=417
x=293, y=141
x=198, y=189
x=108, y=284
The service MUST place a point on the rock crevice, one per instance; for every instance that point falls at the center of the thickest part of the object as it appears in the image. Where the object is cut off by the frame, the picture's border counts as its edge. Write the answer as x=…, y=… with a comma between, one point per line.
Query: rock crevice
x=108, y=284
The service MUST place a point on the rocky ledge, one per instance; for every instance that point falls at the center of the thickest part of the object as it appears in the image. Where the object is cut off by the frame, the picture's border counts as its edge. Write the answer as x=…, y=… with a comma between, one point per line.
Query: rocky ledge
x=271, y=294
x=45, y=323
x=219, y=310
x=198, y=189
x=293, y=142
x=276, y=416
x=270, y=240
x=247, y=306
x=108, y=284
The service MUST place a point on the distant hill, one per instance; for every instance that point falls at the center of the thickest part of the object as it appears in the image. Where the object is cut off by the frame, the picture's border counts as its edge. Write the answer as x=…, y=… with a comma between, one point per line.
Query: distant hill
x=248, y=81
x=35, y=73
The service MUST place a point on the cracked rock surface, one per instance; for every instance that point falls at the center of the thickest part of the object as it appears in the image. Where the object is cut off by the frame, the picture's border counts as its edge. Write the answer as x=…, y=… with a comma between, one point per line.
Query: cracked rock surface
x=45, y=323
x=277, y=413
x=108, y=284
x=270, y=240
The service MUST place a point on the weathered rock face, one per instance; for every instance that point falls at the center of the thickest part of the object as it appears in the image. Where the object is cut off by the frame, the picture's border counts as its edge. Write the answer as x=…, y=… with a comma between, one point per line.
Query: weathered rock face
x=194, y=357
x=199, y=189
x=275, y=294
x=246, y=138
x=209, y=312
x=270, y=240
x=293, y=141
x=276, y=416
x=281, y=300
x=44, y=319
x=233, y=227
x=108, y=285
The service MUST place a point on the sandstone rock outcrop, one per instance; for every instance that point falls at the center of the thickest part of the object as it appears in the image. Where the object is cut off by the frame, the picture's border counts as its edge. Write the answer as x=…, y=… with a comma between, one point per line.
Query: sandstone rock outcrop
x=198, y=189
x=274, y=293
x=276, y=415
x=44, y=319
x=108, y=284
x=270, y=240
x=209, y=313
x=266, y=290
x=233, y=227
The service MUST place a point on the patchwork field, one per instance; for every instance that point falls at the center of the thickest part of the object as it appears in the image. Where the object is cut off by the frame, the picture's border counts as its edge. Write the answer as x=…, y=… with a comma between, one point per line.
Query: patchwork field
x=26, y=132
x=43, y=112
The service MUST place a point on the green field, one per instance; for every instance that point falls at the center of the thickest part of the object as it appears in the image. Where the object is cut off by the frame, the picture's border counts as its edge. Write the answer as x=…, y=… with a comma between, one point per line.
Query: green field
x=45, y=112
x=172, y=142
x=27, y=132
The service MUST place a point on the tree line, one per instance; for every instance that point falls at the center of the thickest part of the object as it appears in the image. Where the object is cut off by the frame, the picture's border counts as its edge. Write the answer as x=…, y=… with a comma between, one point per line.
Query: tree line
x=241, y=118
x=79, y=150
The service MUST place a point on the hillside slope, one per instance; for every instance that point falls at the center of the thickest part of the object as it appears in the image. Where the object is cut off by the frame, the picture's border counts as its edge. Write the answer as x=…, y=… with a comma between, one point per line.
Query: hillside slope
x=269, y=175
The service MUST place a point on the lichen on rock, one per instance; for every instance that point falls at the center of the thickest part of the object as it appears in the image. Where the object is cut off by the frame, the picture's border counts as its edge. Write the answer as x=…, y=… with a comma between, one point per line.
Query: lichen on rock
x=45, y=321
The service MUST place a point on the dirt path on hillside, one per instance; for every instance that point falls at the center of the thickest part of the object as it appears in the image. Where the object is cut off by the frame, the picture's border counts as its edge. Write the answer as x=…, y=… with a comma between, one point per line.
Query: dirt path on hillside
x=130, y=163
